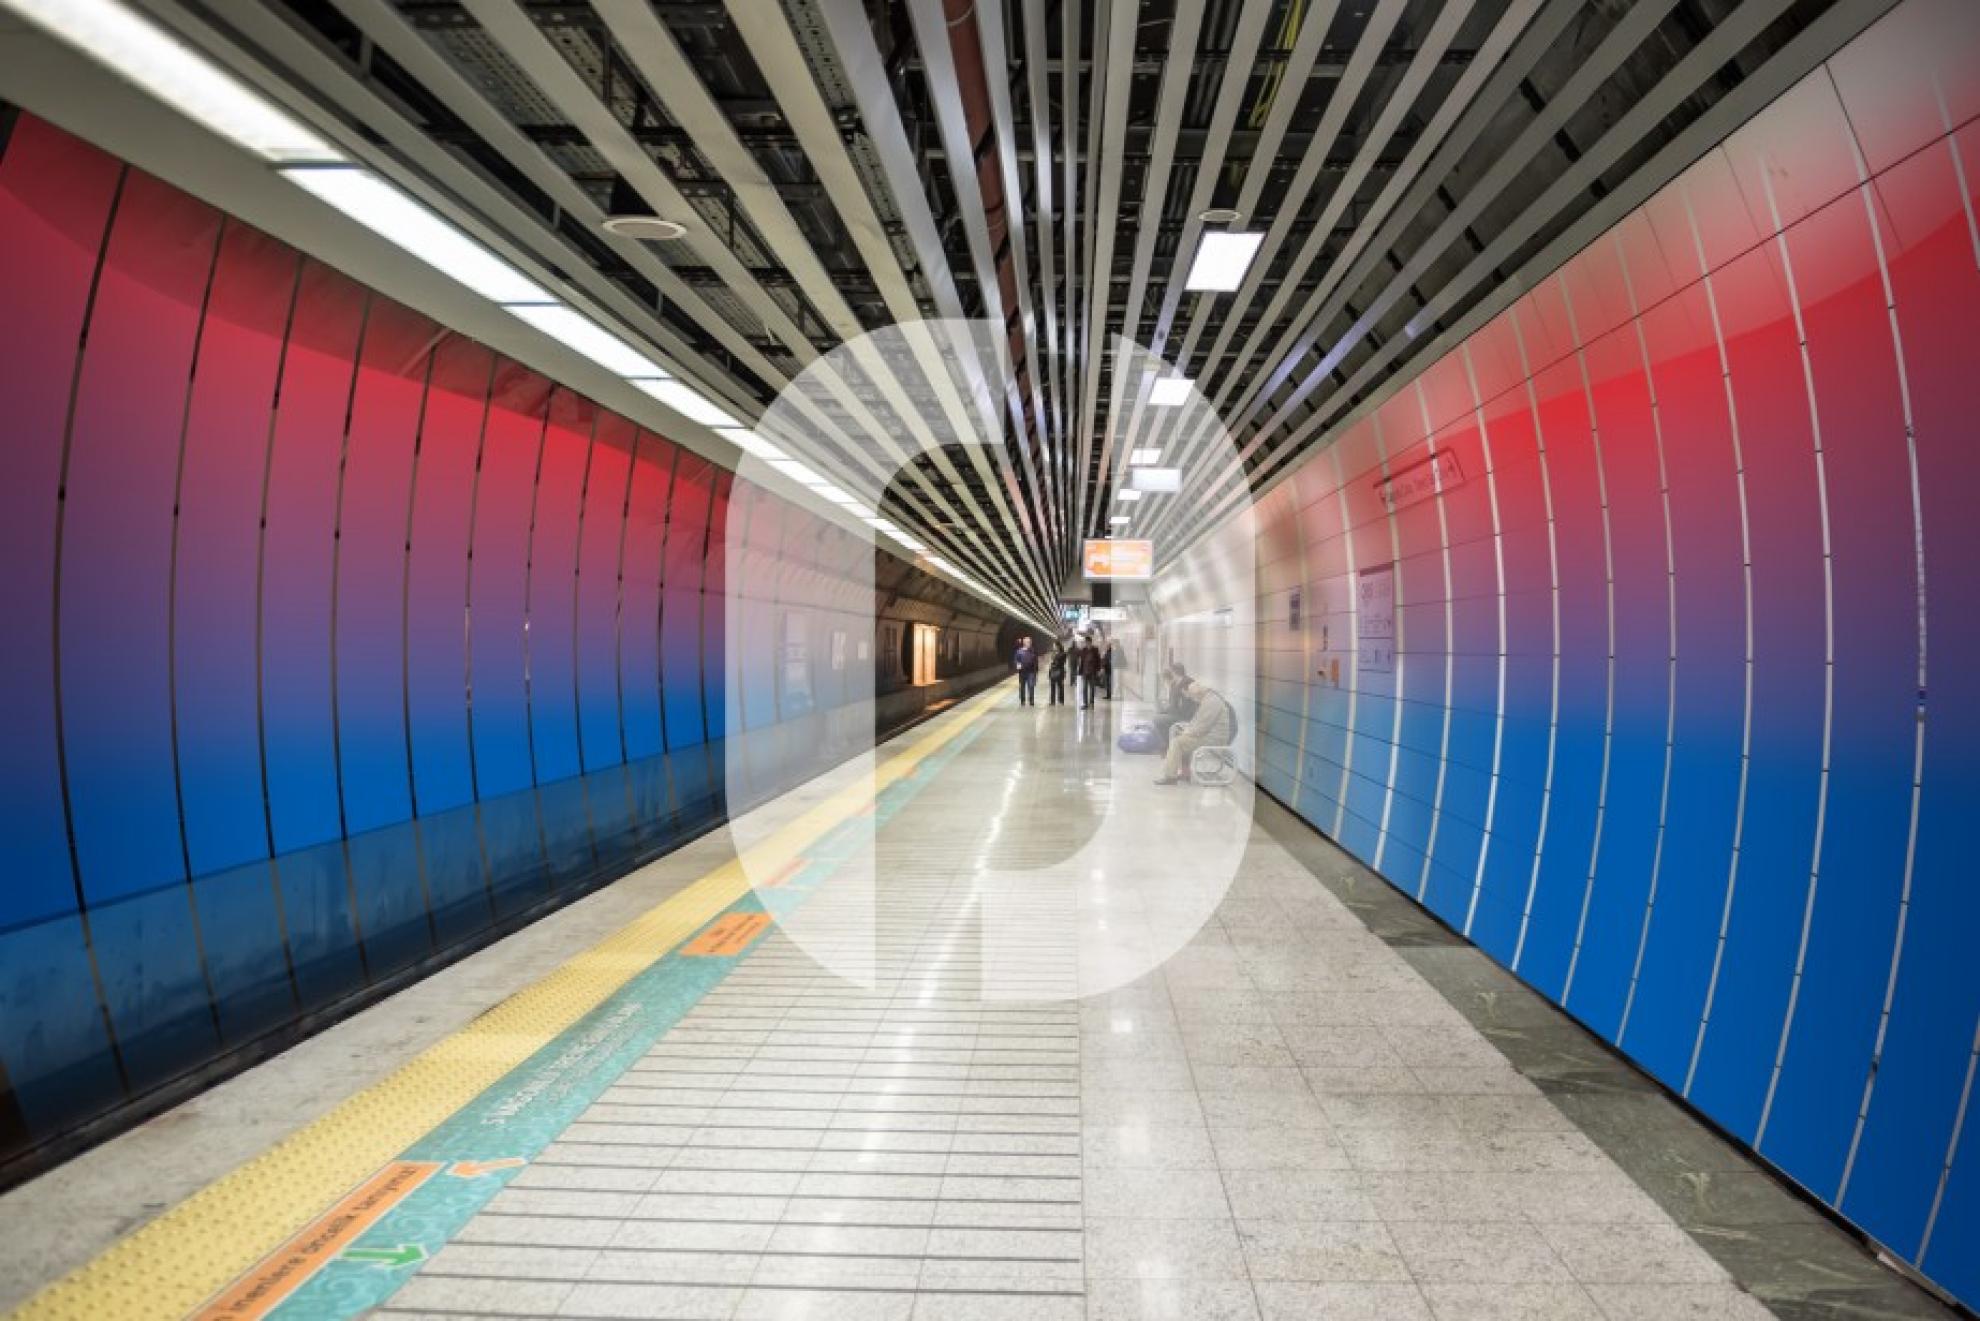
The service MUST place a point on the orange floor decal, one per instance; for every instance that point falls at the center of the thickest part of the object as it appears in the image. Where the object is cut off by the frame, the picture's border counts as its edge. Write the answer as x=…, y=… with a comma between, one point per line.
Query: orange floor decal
x=728, y=936
x=284, y=1270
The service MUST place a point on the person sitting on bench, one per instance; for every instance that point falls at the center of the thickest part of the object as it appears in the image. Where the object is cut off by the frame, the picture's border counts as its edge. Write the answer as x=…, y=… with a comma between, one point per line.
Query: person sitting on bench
x=1209, y=727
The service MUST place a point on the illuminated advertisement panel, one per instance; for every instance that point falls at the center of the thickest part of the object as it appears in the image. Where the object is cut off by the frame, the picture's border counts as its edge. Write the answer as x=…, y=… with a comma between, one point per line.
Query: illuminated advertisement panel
x=1116, y=560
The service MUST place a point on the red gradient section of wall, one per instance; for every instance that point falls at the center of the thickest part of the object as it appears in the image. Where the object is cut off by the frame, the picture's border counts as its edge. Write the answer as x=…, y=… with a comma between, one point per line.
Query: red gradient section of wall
x=335, y=640
x=1686, y=633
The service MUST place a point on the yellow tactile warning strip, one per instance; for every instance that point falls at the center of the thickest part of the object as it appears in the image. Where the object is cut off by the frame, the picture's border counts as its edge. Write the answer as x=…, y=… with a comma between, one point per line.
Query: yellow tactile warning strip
x=184, y=1258
x=279, y=1274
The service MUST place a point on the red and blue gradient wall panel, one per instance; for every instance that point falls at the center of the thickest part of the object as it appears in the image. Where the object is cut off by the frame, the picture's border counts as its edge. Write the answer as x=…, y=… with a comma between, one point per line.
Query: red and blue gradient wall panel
x=1709, y=789
x=337, y=642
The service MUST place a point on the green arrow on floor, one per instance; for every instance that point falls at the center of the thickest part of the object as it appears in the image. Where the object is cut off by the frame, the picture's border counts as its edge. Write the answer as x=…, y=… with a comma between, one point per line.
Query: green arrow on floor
x=403, y=1255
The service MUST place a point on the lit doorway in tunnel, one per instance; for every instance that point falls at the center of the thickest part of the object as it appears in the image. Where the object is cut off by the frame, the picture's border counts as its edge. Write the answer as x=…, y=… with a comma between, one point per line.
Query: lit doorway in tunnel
x=926, y=637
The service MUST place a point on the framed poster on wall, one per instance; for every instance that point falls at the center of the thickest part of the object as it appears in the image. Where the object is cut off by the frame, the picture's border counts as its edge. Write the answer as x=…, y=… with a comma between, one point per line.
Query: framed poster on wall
x=1375, y=620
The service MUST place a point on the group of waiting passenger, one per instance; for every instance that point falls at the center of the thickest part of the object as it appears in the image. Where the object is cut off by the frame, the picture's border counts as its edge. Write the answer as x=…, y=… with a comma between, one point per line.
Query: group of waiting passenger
x=1192, y=714
x=1089, y=661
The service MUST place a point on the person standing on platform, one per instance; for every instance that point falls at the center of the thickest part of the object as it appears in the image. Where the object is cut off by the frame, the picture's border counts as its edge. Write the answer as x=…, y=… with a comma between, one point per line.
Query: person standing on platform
x=1056, y=672
x=1107, y=669
x=1087, y=667
x=1025, y=661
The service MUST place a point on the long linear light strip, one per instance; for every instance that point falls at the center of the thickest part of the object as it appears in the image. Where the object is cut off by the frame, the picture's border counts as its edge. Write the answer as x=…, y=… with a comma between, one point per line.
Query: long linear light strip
x=160, y=64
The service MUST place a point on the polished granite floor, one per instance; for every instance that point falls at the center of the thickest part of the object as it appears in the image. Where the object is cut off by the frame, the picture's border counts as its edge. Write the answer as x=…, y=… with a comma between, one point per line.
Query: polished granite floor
x=1320, y=1104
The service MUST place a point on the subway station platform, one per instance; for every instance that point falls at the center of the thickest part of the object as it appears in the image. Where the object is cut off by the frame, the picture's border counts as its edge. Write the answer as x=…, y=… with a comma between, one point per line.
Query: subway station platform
x=655, y=1103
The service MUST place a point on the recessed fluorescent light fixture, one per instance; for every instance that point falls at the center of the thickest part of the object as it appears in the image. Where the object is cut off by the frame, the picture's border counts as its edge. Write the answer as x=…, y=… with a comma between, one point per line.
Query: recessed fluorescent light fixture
x=749, y=442
x=1222, y=258
x=389, y=213
x=1119, y=519
x=797, y=472
x=690, y=405
x=1170, y=391
x=1145, y=456
x=152, y=58
x=838, y=495
x=1156, y=479
x=580, y=334
x=1127, y=493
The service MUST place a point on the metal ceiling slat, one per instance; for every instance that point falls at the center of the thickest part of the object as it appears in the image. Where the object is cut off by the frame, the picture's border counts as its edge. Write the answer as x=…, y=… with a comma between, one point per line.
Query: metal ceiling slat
x=1116, y=83
x=852, y=40
x=1053, y=364
x=931, y=30
x=511, y=28
x=1184, y=27
x=1070, y=302
x=520, y=39
x=995, y=50
x=1681, y=82
x=383, y=26
x=767, y=34
x=1378, y=138
x=1297, y=69
x=1340, y=103
x=669, y=76
x=1452, y=133
x=1250, y=31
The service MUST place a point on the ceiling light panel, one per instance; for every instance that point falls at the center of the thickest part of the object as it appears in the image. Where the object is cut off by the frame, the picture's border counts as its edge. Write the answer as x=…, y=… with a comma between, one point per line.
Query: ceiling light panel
x=581, y=334
x=1171, y=391
x=145, y=54
x=389, y=213
x=1145, y=456
x=1222, y=258
x=688, y=403
x=1156, y=479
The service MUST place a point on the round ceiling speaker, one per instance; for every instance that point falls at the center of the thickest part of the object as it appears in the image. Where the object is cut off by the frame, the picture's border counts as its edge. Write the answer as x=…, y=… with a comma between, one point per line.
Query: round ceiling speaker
x=1221, y=215
x=645, y=227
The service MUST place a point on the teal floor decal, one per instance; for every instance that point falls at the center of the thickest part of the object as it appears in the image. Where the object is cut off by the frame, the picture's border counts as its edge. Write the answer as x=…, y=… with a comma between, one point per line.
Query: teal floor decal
x=488, y=1141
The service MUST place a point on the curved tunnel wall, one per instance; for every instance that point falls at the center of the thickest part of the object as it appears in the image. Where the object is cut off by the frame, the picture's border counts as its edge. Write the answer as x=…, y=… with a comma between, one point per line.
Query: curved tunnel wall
x=335, y=641
x=1608, y=637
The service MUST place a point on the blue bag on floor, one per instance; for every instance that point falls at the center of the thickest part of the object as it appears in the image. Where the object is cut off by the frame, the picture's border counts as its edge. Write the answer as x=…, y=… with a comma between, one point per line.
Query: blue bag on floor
x=1145, y=739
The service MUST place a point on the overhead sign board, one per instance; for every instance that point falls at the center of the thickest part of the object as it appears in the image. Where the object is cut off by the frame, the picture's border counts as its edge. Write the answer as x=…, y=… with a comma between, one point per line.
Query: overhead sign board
x=1117, y=559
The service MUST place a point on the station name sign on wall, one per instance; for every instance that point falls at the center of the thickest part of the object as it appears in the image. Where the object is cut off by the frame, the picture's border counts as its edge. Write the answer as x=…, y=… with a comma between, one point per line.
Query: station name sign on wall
x=1421, y=480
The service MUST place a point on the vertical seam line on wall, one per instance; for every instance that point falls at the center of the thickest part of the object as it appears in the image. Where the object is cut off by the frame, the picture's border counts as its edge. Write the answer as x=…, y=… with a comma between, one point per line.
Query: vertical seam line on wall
x=1973, y=1056
x=172, y=625
x=336, y=596
x=261, y=629
x=1670, y=674
x=577, y=633
x=529, y=635
x=405, y=640
x=1554, y=595
x=1746, y=720
x=660, y=625
x=1450, y=643
x=55, y=633
x=619, y=612
x=701, y=638
x=1401, y=652
x=1609, y=593
x=1866, y=188
x=1499, y=561
x=467, y=635
x=1306, y=672
x=1828, y=661
x=1354, y=646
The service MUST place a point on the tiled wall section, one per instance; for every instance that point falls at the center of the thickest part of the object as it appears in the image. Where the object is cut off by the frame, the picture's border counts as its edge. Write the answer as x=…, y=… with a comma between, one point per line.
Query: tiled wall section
x=1639, y=637
x=333, y=639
